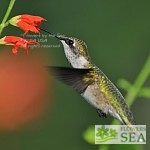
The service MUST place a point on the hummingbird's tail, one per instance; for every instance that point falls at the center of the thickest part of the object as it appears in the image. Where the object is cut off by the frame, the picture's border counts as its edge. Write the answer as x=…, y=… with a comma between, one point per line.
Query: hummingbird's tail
x=126, y=116
x=128, y=121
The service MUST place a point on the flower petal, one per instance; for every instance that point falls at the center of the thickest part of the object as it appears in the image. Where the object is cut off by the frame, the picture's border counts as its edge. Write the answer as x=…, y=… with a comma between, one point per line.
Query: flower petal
x=15, y=50
x=26, y=27
x=102, y=135
x=102, y=128
x=30, y=19
x=97, y=134
x=106, y=130
x=17, y=42
x=99, y=129
x=27, y=22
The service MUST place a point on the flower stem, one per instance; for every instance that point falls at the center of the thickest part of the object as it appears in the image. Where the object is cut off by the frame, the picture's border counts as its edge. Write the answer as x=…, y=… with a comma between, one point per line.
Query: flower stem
x=133, y=92
x=4, y=23
x=142, y=77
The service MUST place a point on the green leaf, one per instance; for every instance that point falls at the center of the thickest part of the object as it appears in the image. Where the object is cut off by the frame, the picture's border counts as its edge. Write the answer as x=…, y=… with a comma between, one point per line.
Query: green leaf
x=144, y=92
x=89, y=135
x=124, y=84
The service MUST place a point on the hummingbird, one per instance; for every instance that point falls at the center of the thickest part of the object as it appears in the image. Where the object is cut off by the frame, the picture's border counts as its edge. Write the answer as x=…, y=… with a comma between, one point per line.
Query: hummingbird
x=90, y=82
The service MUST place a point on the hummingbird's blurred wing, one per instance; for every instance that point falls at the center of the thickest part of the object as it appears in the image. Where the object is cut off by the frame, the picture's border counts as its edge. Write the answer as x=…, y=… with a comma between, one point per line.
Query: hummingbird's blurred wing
x=71, y=76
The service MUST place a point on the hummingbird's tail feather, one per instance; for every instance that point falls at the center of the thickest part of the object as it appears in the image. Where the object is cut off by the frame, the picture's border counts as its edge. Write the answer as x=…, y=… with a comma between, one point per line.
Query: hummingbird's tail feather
x=127, y=121
x=71, y=76
x=125, y=115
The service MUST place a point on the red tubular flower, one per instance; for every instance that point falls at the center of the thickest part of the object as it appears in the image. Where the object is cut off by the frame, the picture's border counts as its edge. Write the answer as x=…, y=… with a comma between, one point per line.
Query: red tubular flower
x=27, y=22
x=17, y=42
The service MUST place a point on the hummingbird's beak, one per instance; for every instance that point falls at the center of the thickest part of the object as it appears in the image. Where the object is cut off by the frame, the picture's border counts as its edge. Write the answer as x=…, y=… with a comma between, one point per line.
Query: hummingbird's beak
x=60, y=37
x=56, y=35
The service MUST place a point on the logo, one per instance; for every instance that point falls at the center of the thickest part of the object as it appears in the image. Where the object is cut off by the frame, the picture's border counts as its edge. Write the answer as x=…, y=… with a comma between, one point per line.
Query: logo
x=120, y=134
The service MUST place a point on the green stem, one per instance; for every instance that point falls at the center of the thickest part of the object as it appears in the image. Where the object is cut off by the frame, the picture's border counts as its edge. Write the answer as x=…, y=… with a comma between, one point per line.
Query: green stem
x=142, y=77
x=133, y=92
x=4, y=23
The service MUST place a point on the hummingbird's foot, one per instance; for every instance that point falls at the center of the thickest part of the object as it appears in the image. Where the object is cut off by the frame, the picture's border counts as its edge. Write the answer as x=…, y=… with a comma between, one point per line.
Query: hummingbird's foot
x=101, y=114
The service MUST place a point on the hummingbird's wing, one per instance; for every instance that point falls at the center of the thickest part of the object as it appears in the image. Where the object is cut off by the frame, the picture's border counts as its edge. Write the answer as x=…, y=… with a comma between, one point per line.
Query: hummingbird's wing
x=71, y=76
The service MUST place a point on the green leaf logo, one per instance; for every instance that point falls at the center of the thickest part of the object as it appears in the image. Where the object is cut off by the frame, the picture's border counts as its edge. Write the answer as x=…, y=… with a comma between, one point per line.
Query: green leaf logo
x=104, y=134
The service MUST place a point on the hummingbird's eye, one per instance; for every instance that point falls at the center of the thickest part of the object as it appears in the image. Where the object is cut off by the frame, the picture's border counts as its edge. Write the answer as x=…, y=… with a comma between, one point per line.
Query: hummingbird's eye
x=69, y=42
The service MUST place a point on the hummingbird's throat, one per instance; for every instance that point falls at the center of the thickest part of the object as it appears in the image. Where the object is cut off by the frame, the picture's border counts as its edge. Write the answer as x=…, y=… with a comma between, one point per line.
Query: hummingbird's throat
x=80, y=62
x=76, y=60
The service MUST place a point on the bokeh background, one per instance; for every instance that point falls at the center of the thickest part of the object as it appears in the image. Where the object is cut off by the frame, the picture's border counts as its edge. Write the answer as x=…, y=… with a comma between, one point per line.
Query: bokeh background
x=117, y=34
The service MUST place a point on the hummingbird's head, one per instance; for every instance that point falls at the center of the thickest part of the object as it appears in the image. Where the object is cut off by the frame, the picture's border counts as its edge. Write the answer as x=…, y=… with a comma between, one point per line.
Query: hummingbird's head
x=76, y=51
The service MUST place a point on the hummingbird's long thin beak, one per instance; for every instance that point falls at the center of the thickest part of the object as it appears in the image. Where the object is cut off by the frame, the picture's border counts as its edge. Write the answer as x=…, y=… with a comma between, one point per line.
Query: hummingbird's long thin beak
x=54, y=34
x=60, y=37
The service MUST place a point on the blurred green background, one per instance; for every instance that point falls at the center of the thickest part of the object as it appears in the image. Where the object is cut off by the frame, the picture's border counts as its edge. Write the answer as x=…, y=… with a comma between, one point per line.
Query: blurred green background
x=117, y=34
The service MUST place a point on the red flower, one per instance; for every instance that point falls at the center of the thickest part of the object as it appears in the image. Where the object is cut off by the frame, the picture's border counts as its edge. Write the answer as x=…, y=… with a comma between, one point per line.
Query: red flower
x=27, y=22
x=17, y=42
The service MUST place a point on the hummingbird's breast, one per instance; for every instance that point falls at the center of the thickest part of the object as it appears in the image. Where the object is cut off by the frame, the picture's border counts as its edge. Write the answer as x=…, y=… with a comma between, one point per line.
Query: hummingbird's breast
x=93, y=95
